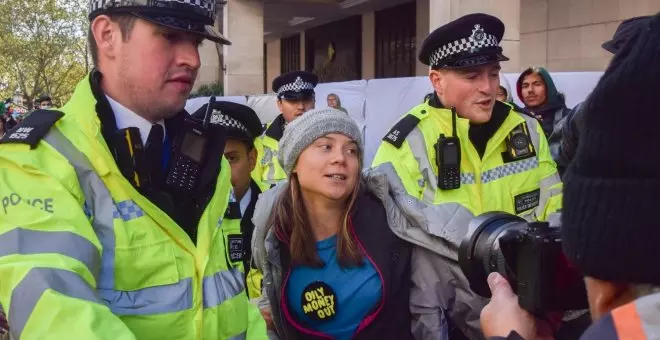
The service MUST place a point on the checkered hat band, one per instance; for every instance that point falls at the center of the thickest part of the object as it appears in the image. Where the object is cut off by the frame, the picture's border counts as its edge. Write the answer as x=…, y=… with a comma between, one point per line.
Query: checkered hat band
x=296, y=86
x=461, y=46
x=226, y=121
x=203, y=7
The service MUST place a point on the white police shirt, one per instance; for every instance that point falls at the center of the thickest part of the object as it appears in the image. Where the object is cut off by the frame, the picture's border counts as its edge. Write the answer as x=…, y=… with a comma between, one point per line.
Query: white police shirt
x=126, y=118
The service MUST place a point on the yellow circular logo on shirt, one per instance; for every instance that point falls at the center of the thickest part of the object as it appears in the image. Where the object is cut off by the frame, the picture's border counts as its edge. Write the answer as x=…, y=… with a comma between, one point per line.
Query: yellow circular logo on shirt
x=319, y=301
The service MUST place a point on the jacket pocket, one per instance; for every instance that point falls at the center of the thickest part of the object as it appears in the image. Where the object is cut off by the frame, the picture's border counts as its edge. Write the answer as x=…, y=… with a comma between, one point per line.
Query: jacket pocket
x=145, y=266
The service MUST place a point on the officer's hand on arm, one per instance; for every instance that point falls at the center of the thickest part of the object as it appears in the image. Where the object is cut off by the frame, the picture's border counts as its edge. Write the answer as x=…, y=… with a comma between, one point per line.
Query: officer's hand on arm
x=503, y=316
x=265, y=312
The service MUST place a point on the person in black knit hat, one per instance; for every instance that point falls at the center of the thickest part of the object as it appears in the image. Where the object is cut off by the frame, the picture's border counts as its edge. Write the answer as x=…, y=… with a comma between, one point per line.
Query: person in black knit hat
x=610, y=224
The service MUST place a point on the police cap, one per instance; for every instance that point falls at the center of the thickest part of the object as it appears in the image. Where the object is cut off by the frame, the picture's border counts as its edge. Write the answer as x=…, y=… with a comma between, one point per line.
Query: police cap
x=190, y=16
x=241, y=122
x=295, y=85
x=468, y=41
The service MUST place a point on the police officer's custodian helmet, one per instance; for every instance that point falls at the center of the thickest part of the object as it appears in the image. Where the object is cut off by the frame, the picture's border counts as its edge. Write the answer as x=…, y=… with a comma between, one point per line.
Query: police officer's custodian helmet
x=192, y=16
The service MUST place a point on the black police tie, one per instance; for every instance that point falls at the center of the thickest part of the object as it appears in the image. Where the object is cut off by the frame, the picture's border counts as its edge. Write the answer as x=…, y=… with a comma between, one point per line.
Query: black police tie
x=154, y=149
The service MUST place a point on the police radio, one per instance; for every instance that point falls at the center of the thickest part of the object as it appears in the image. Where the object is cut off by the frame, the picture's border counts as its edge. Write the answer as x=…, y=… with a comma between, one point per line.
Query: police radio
x=189, y=153
x=448, y=158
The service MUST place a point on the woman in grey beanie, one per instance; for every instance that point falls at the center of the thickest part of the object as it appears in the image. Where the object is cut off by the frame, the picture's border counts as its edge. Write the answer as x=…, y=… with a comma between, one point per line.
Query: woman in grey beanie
x=332, y=267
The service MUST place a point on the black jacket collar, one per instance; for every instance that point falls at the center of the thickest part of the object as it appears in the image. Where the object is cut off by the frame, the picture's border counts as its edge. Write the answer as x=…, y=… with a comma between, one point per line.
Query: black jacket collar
x=276, y=129
x=479, y=134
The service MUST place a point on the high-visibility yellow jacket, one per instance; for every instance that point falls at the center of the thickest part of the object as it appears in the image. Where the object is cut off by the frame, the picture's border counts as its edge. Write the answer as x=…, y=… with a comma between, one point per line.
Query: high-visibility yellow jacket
x=83, y=255
x=529, y=187
x=525, y=184
x=268, y=170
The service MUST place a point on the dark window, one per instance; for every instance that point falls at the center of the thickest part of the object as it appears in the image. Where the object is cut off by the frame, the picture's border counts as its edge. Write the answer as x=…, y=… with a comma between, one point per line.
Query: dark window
x=395, y=41
x=334, y=50
x=290, y=54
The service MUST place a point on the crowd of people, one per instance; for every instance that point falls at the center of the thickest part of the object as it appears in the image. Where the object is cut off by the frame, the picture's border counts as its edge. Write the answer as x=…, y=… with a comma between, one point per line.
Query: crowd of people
x=11, y=114
x=137, y=220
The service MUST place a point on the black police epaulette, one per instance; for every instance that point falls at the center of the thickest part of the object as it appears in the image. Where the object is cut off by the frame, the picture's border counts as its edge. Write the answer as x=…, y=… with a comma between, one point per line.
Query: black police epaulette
x=33, y=128
x=400, y=131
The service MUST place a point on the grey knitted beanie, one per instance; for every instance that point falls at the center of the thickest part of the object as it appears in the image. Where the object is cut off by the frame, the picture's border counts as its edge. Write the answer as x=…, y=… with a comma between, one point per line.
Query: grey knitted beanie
x=311, y=126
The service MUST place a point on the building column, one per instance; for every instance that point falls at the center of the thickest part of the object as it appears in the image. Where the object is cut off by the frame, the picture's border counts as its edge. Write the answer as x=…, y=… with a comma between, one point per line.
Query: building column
x=444, y=11
x=274, y=67
x=303, y=53
x=244, y=27
x=369, y=46
x=210, y=55
x=423, y=23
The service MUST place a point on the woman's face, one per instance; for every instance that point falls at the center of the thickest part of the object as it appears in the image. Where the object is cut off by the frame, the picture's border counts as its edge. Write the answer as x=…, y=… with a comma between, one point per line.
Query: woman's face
x=332, y=101
x=329, y=168
x=501, y=94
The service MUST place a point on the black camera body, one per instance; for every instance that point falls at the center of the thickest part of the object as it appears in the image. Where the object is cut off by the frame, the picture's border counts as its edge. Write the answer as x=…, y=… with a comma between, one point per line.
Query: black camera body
x=529, y=256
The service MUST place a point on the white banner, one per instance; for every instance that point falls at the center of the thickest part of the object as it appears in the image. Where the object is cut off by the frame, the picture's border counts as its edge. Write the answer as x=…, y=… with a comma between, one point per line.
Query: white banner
x=265, y=106
x=377, y=104
x=194, y=104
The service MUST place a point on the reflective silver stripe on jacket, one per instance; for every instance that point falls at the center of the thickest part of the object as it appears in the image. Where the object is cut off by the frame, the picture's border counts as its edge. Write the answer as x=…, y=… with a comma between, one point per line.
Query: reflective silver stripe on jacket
x=28, y=292
x=98, y=200
x=222, y=286
x=31, y=242
x=646, y=308
x=268, y=160
x=532, y=125
x=418, y=147
x=150, y=300
x=547, y=192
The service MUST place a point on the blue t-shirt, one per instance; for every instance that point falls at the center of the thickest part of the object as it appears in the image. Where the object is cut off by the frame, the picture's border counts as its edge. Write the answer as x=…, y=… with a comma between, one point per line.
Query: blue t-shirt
x=333, y=300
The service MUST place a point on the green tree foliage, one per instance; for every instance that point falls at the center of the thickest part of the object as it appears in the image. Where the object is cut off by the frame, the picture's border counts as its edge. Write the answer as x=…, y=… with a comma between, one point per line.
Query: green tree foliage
x=215, y=89
x=42, y=48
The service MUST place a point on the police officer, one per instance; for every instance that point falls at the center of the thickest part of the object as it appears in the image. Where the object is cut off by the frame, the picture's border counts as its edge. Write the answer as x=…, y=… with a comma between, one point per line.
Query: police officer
x=462, y=153
x=295, y=96
x=129, y=244
x=243, y=127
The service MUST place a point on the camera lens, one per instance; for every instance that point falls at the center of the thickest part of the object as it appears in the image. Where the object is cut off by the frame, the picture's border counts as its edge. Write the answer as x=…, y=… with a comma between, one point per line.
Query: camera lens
x=482, y=253
x=519, y=141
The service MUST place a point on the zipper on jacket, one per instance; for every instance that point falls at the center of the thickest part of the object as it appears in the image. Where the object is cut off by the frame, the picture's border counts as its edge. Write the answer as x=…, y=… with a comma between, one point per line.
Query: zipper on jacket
x=370, y=318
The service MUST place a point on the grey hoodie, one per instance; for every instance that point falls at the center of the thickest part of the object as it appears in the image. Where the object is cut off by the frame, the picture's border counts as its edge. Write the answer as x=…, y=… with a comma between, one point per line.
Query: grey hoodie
x=440, y=290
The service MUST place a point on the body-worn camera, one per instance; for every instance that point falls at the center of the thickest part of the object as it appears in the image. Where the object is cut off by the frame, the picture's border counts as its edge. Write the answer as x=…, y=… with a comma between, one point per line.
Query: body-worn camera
x=529, y=256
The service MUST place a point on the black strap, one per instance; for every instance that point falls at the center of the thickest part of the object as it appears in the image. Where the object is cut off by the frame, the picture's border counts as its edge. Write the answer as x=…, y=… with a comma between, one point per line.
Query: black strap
x=154, y=152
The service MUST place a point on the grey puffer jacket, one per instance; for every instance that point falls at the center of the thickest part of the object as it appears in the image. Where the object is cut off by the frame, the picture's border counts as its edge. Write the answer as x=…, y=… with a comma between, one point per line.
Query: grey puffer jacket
x=440, y=297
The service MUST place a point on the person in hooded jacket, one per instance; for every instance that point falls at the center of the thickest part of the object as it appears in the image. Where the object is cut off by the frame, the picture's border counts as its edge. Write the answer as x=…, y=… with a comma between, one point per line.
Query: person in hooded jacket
x=504, y=90
x=538, y=92
x=504, y=95
x=332, y=266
